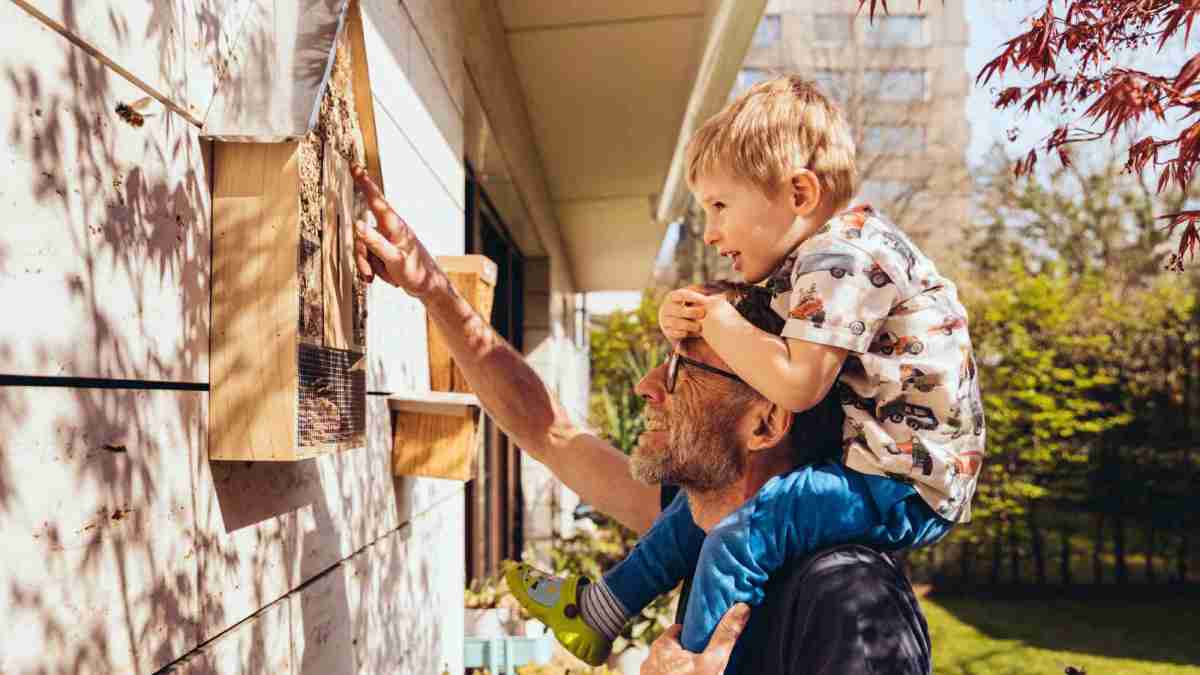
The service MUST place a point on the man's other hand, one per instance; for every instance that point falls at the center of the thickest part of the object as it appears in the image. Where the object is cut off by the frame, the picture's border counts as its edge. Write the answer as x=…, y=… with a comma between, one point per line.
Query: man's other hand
x=390, y=250
x=668, y=657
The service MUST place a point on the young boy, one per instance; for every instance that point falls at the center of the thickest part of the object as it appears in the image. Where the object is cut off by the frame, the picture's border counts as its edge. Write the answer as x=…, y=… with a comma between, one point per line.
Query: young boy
x=864, y=311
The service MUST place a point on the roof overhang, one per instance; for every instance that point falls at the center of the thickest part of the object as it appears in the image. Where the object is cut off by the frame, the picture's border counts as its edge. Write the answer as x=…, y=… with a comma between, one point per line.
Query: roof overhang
x=610, y=93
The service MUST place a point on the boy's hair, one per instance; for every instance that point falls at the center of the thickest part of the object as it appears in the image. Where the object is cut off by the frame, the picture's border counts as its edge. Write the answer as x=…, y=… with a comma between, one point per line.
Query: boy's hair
x=816, y=433
x=777, y=127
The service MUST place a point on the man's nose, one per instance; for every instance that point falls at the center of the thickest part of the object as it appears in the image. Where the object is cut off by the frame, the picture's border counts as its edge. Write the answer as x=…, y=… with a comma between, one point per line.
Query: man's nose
x=653, y=386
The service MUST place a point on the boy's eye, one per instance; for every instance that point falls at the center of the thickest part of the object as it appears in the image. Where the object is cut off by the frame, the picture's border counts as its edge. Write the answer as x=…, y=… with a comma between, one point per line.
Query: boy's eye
x=718, y=205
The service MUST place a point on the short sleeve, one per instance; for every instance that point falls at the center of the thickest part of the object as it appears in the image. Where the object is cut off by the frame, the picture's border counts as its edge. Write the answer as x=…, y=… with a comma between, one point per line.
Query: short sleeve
x=840, y=296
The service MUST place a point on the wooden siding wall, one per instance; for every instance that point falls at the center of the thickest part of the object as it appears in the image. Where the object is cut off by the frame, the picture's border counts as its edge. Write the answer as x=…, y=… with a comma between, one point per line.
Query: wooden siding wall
x=125, y=549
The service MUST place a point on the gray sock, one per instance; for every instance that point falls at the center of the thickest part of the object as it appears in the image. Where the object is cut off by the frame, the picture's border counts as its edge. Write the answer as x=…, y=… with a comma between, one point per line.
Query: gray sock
x=601, y=610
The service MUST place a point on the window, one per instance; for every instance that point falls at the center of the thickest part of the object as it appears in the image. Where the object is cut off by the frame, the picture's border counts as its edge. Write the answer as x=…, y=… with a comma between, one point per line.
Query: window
x=898, y=86
x=769, y=31
x=836, y=84
x=893, y=140
x=833, y=29
x=896, y=30
x=746, y=78
x=882, y=192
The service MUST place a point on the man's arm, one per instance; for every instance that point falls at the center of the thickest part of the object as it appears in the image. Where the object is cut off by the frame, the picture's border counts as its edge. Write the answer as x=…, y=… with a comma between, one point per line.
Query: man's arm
x=507, y=387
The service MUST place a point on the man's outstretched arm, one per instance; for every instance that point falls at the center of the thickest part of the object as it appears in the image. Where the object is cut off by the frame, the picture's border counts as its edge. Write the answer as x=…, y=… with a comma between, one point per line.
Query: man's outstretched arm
x=511, y=392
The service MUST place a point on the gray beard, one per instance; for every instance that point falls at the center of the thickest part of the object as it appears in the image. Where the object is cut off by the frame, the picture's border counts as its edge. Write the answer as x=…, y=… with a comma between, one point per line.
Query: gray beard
x=701, y=455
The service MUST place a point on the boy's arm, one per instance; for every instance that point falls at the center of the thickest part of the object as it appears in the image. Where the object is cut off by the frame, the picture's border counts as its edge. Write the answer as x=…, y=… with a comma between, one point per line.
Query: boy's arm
x=794, y=374
x=511, y=392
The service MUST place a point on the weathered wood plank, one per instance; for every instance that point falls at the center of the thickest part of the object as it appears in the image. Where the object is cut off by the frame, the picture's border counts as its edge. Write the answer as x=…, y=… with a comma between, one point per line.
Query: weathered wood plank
x=104, y=251
x=338, y=250
x=96, y=517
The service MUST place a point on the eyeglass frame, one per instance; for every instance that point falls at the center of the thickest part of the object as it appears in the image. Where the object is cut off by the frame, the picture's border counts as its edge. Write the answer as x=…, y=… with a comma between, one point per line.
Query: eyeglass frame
x=676, y=359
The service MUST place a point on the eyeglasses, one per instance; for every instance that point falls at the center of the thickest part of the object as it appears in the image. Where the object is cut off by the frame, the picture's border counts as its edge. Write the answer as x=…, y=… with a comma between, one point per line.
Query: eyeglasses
x=677, y=359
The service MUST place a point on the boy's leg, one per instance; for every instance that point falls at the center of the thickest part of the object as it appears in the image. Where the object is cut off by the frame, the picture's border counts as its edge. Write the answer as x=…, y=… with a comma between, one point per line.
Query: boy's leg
x=663, y=557
x=587, y=616
x=791, y=516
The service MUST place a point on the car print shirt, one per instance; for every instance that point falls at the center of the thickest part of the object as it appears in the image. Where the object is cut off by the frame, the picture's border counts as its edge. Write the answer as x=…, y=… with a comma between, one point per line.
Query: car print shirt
x=909, y=385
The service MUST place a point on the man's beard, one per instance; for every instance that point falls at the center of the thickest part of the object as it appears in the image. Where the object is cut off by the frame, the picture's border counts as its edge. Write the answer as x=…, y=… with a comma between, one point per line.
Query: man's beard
x=702, y=453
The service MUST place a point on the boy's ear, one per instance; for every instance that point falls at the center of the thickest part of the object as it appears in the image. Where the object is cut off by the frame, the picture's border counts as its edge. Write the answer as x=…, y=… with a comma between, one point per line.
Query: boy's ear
x=806, y=192
x=771, y=427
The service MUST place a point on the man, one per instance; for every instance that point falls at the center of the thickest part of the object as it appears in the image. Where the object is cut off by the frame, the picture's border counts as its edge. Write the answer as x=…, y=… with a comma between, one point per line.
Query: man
x=844, y=611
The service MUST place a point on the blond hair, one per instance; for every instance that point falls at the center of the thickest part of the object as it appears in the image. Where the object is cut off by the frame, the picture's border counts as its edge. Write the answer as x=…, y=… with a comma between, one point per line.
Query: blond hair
x=777, y=127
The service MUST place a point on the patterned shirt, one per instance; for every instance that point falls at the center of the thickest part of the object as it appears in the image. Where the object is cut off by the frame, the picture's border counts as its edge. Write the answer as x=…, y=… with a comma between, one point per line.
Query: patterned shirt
x=909, y=385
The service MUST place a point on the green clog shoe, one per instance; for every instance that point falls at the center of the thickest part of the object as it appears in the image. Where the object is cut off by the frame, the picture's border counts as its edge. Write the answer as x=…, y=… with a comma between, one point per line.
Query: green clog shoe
x=555, y=602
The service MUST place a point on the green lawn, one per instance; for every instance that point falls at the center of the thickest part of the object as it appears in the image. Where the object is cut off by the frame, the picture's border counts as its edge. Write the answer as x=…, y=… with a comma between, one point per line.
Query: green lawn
x=987, y=636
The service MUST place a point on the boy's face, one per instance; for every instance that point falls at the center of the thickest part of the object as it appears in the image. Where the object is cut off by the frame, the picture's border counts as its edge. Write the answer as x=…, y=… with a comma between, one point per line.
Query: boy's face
x=756, y=230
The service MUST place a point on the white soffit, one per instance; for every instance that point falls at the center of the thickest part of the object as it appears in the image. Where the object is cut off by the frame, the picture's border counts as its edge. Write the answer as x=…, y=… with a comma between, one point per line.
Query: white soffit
x=607, y=87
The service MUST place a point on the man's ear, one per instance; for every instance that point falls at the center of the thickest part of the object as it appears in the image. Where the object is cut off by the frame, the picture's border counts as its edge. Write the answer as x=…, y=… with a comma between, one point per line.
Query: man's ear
x=771, y=426
x=806, y=192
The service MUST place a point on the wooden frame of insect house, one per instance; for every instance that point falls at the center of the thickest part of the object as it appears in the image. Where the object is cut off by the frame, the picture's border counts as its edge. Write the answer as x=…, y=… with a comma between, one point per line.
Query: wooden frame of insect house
x=288, y=342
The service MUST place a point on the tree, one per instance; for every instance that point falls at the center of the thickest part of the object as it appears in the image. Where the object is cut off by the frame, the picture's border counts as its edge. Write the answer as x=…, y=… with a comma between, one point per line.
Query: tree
x=624, y=347
x=1069, y=50
x=1089, y=215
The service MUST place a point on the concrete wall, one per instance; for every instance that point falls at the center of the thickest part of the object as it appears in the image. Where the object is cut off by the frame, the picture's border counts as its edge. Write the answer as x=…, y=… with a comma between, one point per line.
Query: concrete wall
x=126, y=550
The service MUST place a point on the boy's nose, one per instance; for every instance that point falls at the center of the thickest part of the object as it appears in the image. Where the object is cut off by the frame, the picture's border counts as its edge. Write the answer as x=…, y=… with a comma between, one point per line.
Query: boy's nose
x=711, y=234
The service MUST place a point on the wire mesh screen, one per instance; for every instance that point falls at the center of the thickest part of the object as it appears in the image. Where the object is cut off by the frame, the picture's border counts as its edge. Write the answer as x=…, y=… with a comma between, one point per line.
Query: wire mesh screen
x=332, y=396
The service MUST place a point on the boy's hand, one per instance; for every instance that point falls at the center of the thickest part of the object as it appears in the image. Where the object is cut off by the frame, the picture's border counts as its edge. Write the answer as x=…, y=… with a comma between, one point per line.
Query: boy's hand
x=390, y=250
x=681, y=312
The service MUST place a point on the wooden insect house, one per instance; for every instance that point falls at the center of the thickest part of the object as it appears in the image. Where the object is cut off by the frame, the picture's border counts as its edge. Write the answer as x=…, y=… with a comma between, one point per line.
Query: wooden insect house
x=288, y=345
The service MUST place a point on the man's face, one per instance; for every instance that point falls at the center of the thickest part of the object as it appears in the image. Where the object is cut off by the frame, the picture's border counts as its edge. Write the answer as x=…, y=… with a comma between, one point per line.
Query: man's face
x=743, y=223
x=692, y=435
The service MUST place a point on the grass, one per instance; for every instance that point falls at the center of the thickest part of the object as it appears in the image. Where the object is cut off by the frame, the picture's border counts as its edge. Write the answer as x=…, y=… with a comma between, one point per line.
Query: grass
x=976, y=635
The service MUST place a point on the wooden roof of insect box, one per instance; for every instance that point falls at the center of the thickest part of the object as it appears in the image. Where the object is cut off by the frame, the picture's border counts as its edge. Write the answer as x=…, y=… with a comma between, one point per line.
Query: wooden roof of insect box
x=288, y=341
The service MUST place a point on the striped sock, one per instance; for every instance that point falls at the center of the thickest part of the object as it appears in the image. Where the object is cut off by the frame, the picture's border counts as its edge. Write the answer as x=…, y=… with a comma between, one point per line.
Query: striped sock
x=601, y=610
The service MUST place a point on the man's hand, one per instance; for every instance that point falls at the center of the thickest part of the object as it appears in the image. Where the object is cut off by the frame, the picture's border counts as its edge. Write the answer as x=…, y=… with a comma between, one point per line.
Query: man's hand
x=668, y=657
x=681, y=312
x=390, y=251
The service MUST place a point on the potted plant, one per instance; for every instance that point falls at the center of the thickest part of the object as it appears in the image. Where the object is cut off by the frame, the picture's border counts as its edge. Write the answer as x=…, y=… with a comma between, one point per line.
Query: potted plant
x=491, y=611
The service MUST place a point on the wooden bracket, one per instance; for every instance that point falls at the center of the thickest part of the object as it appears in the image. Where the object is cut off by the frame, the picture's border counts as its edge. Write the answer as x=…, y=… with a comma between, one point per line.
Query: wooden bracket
x=433, y=434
